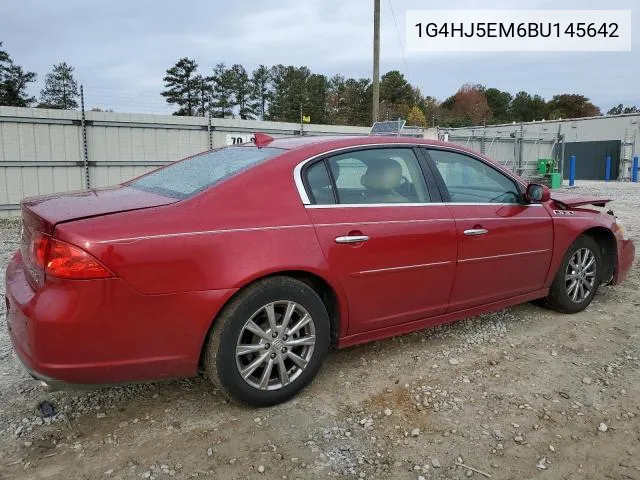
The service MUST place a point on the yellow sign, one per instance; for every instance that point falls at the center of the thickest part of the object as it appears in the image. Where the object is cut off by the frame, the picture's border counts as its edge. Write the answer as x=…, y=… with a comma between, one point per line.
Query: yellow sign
x=306, y=118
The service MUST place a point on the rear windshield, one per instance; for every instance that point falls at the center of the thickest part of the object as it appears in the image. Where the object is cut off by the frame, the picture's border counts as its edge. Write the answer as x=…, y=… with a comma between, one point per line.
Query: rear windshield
x=188, y=177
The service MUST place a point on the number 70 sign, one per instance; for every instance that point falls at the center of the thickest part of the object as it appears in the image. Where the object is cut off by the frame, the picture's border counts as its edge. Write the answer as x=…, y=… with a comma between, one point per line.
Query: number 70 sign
x=239, y=138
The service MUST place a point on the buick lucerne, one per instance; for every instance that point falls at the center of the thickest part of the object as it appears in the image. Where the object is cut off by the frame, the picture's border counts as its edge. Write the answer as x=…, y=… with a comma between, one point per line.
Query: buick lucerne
x=251, y=262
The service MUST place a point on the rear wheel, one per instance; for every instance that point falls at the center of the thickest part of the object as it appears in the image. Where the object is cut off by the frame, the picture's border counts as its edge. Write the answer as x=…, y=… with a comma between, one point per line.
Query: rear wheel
x=269, y=342
x=578, y=277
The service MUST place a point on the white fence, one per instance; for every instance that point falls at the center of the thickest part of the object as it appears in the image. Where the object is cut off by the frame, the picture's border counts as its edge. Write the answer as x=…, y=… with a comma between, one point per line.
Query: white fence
x=47, y=151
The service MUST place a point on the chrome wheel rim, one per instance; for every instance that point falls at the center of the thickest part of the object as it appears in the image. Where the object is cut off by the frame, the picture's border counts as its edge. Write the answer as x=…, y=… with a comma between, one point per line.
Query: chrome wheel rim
x=275, y=345
x=580, y=277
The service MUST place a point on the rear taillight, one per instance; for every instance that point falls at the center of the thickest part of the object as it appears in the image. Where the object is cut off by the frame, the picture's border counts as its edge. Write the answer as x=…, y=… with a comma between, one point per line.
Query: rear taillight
x=38, y=249
x=63, y=260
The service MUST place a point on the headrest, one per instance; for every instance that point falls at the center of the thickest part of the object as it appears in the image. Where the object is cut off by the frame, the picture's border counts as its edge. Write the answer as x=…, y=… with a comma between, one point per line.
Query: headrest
x=382, y=176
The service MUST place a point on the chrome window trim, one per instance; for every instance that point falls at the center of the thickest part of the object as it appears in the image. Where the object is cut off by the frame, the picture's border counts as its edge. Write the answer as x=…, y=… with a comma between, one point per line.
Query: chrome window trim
x=304, y=196
x=433, y=204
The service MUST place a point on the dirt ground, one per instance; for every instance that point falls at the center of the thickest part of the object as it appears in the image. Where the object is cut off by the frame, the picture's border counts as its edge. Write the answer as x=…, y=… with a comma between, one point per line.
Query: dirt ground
x=517, y=394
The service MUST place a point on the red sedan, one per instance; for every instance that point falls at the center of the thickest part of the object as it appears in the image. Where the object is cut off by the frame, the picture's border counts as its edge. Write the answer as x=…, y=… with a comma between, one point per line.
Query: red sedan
x=253, y=261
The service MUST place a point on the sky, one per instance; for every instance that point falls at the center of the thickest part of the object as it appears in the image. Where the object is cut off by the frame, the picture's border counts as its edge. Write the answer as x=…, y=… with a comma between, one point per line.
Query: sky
x=121, y=48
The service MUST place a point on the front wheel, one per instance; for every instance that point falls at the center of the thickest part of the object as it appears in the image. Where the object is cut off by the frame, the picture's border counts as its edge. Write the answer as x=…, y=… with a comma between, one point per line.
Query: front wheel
x=578, y=277
x=269, y=342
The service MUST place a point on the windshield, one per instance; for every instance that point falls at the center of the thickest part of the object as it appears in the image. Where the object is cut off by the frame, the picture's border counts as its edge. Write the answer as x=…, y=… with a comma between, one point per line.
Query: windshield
x=192, y=175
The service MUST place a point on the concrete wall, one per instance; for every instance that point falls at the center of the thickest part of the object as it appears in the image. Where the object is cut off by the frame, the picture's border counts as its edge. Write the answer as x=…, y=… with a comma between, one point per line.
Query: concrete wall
x=42, y=151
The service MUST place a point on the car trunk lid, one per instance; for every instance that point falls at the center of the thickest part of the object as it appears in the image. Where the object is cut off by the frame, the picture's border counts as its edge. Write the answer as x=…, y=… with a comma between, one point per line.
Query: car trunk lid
x=42, y=214
x=51, y=210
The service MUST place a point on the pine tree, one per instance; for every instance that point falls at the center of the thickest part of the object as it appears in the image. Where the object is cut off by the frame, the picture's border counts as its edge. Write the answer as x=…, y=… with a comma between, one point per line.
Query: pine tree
x=242, y=92
x=261, y=90
x=13, y=82
x=181, y=87
x=222, y=91
x=289, y=92
x=203, y=87
x=60, y=88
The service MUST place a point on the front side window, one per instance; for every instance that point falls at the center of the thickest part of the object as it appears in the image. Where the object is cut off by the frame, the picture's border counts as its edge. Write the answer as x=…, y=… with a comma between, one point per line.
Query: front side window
x=469, y=180
x=192, y=175
x=382, y=175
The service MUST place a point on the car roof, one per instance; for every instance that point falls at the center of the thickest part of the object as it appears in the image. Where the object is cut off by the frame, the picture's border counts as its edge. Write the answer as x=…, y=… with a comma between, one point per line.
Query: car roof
x=338, y=141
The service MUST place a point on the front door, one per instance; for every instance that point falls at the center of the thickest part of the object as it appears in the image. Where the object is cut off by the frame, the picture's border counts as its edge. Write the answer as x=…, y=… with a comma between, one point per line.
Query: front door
x=392, y=248
x=504, y=245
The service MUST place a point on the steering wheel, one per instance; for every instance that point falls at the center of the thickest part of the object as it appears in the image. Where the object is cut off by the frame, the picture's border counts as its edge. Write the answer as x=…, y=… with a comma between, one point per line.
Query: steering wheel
x=502, y=198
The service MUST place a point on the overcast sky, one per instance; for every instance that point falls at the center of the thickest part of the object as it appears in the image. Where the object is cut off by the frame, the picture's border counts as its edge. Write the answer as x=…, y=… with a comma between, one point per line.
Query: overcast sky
x=121, y=48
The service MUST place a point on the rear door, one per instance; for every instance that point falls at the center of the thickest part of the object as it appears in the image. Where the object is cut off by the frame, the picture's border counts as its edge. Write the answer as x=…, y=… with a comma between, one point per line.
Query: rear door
x=504, y=244
x=392, y=248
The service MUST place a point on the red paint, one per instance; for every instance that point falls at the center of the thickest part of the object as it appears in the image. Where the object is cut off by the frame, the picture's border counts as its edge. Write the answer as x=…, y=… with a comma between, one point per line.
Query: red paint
x=175, y=264
x=570, y=200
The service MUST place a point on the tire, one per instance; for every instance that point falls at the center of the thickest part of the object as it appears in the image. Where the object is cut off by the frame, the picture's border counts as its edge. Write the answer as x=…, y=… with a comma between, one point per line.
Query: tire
x=234, y=343
x=562, y=297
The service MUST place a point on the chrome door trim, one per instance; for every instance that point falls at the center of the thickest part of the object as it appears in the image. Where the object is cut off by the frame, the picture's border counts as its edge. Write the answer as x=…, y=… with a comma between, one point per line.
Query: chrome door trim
x=479, y=259
x=352, y=239
x=402, y=268
x=297, y=171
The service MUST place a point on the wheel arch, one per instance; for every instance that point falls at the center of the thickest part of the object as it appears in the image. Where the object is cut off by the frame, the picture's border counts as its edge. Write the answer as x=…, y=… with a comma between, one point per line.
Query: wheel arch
x=319, y=284
x=605, y=238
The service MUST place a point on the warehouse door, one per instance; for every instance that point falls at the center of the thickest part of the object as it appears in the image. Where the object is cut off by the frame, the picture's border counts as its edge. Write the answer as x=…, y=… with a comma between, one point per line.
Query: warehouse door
x=591, y=158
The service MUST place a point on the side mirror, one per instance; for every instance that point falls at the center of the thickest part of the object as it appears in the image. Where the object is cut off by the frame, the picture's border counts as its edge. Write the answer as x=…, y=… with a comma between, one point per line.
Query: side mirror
x=537, y=193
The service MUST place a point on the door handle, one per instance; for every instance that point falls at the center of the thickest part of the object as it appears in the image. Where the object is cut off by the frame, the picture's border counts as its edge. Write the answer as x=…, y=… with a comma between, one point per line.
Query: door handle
x=476, y=231
x=352, y=239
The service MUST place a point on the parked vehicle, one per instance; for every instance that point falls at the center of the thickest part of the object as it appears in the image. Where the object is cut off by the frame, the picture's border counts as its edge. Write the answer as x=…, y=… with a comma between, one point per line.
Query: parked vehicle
x=252, y=261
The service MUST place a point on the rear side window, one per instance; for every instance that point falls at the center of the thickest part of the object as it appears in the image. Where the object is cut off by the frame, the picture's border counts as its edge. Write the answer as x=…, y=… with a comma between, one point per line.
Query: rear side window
x=372, y=176
x=192, y=175
x=320, y=184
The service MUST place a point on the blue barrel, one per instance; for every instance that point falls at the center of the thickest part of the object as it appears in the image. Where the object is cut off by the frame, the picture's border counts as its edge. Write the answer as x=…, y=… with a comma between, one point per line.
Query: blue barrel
x=607, y=169
x=634, y=170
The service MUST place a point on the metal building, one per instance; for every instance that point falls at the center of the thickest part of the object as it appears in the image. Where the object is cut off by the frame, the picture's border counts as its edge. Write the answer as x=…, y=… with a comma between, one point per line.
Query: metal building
x=591, y=140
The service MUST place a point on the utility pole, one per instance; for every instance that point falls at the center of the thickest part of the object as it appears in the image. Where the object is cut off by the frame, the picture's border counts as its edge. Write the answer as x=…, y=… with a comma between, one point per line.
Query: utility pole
x=376, y=59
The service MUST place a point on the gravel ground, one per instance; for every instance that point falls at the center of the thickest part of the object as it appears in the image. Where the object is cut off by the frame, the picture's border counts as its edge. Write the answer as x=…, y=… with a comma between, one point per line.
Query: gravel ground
x=516, y=394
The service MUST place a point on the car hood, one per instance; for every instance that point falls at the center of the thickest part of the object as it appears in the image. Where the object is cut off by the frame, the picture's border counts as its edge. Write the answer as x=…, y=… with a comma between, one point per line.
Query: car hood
x=569, y=200
x=64, y=207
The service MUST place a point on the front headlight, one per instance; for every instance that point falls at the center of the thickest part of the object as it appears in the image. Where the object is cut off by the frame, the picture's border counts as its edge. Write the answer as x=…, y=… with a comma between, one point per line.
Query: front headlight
x=622, y=231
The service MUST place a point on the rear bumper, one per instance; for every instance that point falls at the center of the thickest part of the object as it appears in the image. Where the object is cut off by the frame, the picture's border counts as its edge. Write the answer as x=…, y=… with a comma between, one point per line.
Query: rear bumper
x=101, y=331
x=626, y=254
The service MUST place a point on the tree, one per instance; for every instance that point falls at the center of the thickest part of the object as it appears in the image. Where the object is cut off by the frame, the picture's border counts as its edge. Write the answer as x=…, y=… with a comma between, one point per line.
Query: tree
x=570, y=105
x=416, y=117
x=181, y=86
x=242, y=92
x=261, y=90
x=499, y=103
x=289, y=84
x=525, y=108
x=223, y=100
x=470, y=104
x=60, y=88
x=14, y=82
x=620, y=109
x=315, y=97
x=431, y=109
x=396, y=95
x=203, y=87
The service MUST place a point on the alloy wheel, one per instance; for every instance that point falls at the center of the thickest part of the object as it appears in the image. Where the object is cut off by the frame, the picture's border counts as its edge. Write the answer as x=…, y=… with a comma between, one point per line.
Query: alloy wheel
x=580, y=277
x=275, y=345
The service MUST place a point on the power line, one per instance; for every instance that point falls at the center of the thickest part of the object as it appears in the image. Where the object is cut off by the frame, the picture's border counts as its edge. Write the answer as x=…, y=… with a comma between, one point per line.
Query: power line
x=404, y=55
